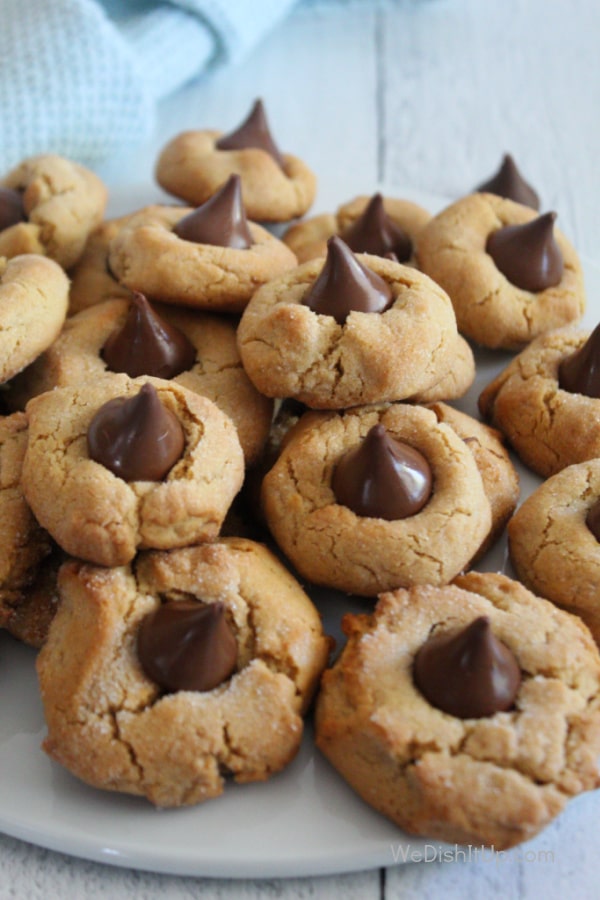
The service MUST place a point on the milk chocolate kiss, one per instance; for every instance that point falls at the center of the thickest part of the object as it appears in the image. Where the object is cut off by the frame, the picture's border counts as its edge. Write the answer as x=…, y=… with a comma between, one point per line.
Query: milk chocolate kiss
x=147, y=345
x=344, y=285
x=374, y=232
x=11, y=208
x=580, y=372
x=528, y=254
x=508, y=182
x=220, y=221
x=253, y=132
x=382, y=478
x=469, y=673
x=187, y=646
x=137, y=437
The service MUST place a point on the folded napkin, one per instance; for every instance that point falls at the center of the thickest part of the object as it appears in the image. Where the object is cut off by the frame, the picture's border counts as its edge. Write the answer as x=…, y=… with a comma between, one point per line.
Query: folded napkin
x=82, y=77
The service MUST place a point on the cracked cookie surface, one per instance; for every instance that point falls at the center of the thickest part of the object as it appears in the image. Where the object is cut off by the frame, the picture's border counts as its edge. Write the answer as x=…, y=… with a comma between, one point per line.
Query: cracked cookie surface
x=193, y=168
x=63, y=202
x=496, y=780
x=33, y=305
x=551, y=547
x=548, y=427
x=109, y=724
x=75, y=358
x=290, y=351
x=331, y=545
x=489, y=309
x=97, y=516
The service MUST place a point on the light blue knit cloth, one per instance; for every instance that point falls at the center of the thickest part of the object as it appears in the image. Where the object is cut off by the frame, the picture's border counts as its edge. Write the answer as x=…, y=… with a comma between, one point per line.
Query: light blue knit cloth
x=82, y=77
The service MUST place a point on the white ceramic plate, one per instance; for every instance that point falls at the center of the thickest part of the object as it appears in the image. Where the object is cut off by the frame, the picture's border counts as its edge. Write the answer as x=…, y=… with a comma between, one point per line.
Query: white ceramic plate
x=304, y=821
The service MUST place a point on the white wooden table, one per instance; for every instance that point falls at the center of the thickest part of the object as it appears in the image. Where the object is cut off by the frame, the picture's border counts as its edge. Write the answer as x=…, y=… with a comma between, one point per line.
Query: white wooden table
x=425, y=95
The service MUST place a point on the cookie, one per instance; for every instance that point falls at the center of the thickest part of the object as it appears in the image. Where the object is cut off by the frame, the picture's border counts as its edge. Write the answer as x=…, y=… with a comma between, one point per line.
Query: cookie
x=146, y=255
x=30, y=619
x=24, y=544
x=175, y=465
x=116, y=728
x=92, y=281
x=276, y=187
x=494, y=779
x=553, y=545
x=33, y=306
x=457, y=380
x=216, y=370
x=547, y=426
x=290, y=350
x=490, y=308
x=393, y=226
x=62, y=202
x=331, y=544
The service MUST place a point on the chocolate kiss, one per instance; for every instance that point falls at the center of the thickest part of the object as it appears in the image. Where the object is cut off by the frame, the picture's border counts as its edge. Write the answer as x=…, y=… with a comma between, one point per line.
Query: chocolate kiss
x=187, y=646
x=11, y=208
x=508, y=182
x=253, y=132
x=469, y=673
x=137, y=438
x=344, y=285
x=580, y=372
x=374, y=232
x=382, y=478
x=592, y=520
x=147, y=345
x=220, y=221
x=528, y=255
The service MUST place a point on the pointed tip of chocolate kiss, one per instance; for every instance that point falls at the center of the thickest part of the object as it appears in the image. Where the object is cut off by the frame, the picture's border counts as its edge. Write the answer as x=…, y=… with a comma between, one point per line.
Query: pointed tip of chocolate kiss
x=508, y=182
x=375, y=232
x=468, y=673
x=528, y=254
x=345, y=285
x=220, y=221
x=254, y=132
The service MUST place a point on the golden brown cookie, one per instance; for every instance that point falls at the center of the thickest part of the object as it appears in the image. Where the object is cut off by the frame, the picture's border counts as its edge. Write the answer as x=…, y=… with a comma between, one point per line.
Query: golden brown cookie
x=289, y=350
x=457, y=380
x=308, y=238
x=489, y=308
x=113, y=726
x=147, y=256
x=553, y=549
x=33, y=306
x=29, y=621
x=63, y=202
x=24, y=544
x=331, y=545
x=496, y=779
x=548, y=427
x=217, y=373
x=98, y=516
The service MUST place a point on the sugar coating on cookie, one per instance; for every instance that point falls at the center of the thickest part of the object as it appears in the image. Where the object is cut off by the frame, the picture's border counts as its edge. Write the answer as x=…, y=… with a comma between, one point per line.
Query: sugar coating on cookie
x=289, y=350
x=548, y=427
x=554, y=551
x=489, y=308
x=63, y=202
x=217, y=373
x=96, y=515
x=496, y=780
x=112, y=726
x=331, y=545
x=34, y=294
x=146, y=255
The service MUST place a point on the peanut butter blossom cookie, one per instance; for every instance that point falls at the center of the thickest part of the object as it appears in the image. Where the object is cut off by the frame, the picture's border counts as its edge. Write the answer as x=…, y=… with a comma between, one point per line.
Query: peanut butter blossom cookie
x=469, y=713
x=510, y=273
x=49, y=205
x=163, y=678
x=349, y=330
x=210, y=258
x=547, y=400
x=276, y=186
x=376, y=498
x=122, y=464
